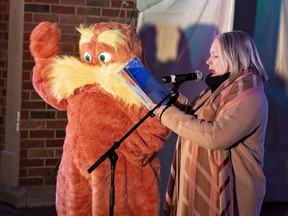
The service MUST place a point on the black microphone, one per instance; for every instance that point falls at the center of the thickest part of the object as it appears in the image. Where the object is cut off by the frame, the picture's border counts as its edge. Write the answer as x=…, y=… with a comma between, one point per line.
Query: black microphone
x=180, y=78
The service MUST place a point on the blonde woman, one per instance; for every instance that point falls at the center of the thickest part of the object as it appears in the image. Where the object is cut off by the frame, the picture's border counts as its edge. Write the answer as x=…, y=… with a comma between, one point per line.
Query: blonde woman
x=217, y=167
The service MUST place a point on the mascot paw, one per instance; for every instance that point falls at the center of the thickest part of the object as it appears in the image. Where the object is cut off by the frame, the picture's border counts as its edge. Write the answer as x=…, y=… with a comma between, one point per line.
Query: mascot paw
x=44, y=40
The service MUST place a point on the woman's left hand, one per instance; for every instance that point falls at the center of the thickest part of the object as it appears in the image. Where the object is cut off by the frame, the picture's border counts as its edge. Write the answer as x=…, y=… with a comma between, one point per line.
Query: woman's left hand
x=159, y=110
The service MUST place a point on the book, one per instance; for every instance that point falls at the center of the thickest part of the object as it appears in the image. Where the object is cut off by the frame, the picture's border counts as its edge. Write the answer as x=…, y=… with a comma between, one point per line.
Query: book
x=142, y=83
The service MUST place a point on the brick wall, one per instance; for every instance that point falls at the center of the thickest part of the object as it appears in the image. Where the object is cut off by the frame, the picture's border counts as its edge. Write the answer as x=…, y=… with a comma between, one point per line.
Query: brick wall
x=43, y=127
x=4, y=23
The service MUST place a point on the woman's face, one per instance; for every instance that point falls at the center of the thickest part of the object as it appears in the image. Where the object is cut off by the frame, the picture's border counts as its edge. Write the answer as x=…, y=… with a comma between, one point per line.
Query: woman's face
x=215, y=62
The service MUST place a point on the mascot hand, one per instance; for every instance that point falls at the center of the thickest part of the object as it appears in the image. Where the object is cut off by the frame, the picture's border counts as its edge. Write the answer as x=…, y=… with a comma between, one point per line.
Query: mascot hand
x=44, y=40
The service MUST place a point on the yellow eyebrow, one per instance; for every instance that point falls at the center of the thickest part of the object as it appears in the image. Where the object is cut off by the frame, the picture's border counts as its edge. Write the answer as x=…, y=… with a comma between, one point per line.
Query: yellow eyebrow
x=114, y=38
x=86, y=34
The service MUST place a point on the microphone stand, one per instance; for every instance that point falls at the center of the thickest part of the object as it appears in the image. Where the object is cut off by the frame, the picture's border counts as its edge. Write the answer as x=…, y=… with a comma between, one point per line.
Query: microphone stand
x=112, y=155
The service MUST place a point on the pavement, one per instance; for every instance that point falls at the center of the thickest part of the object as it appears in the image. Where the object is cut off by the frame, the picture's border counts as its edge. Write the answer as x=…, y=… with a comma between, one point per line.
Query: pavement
x=9, y=210
x=268, y=209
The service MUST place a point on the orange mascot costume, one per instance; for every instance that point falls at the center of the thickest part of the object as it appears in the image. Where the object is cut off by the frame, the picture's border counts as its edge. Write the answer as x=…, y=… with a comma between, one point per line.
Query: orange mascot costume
x=100, y=110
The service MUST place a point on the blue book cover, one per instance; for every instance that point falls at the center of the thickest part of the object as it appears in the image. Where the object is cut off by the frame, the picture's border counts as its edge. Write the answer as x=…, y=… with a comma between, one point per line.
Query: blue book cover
x=143, y=84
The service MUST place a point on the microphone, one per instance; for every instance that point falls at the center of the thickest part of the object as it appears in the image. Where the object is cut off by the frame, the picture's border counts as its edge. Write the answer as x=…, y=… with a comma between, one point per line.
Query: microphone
x=180, y=78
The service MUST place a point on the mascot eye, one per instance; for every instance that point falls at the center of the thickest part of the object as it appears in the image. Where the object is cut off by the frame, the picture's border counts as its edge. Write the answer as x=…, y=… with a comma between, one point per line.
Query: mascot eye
x=104, y=57
x=87, y=56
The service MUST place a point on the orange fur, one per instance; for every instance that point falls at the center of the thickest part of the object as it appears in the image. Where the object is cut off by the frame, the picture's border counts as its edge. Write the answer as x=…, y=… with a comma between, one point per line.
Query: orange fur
x=100, y=111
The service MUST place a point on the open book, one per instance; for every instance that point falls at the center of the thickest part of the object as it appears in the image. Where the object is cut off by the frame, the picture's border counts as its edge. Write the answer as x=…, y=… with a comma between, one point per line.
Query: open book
x=142, y=83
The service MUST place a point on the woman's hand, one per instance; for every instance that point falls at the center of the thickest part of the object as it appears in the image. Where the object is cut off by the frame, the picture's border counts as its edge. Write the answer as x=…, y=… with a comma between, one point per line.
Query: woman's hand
x=159, y=110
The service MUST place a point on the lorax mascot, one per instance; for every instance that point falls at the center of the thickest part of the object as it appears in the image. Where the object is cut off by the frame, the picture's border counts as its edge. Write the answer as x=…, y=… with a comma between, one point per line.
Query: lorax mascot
x=100, y=110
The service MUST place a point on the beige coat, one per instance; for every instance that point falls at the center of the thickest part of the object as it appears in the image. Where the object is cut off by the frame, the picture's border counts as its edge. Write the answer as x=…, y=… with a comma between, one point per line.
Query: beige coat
x=241, y=128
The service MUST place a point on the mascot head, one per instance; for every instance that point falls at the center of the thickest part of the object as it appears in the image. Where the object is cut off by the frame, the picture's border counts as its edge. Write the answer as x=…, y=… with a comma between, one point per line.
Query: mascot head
x=104, y=49
x=109, y=43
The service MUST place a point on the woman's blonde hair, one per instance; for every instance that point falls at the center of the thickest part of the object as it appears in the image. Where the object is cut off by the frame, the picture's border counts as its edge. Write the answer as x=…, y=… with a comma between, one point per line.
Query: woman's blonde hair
x=240, y=53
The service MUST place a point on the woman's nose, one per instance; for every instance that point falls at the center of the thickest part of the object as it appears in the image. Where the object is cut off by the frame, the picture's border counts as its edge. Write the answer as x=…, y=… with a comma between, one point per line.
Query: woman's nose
x=208, y=61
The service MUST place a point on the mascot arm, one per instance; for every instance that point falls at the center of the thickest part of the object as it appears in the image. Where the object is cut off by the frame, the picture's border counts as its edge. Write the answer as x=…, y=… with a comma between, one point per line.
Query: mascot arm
x=153, y=132
x=44, y=41
x=152, y=135
x=41, y=85
x=144, y=143
x=44, y=47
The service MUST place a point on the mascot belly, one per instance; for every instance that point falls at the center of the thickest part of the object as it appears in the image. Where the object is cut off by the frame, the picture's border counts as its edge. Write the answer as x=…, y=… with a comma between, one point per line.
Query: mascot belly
x=100, y=110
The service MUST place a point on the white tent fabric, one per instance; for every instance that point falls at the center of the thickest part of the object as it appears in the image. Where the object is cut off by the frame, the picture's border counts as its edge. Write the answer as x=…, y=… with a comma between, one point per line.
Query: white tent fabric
x=177, y=34
x=145, y=4
x=187, y=12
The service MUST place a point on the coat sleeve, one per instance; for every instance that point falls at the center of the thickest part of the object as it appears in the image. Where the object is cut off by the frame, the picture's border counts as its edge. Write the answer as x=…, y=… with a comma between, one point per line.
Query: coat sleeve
x=233, y=125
